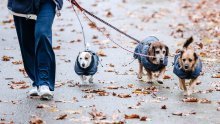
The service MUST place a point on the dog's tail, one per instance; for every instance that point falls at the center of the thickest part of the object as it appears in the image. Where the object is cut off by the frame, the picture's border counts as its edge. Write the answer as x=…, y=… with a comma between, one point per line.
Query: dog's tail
x=87, y=46
x=188, y=42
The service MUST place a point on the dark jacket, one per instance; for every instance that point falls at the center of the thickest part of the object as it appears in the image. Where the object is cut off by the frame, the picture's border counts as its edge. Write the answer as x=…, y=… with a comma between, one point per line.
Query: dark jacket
x=29, y=6
x=91, y=70
x=186, y=75
x=142, y=48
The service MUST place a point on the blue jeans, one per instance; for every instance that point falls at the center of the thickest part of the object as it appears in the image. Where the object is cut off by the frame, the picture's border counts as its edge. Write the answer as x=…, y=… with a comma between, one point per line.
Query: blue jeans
x=35, y=40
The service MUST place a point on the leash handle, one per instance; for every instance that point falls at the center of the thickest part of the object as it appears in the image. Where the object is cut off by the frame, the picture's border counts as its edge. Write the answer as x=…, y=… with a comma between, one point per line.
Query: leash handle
x=76, y=4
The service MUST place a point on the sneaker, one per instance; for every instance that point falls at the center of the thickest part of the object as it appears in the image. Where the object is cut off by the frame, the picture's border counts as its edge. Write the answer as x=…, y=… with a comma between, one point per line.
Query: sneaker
x=45, y=92
x=34, y=92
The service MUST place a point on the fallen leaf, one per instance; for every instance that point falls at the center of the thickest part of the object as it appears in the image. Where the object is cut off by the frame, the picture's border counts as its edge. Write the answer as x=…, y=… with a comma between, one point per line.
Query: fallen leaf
x=112, y=87
x=204, y=101
x=108, y=14
x=42, y=106
x=92, y=25
x=36, y=120
x=110, y=70
x=61, y=117
x=19, y=85
x=73, y=112
x=62, y=29
x=101, y=53
x=207, y=40
x=218, y=109
x=6, y=58
x=190, y=99
x=111, y=65
x=22, y=70
x=59, y=84
x=130, y=85
x=133, y=107
x=144, y=118
x=183, y=113
x=122, y=95
x=17, y=62
x=203, y=54
x=57, y=48
x=97, y=115
x=100, y=92
x=167, y=77
x=132, y=116
x=216, y=76
x=163, y=107
x=141, y=91
x=114, y=94
x=8, y=21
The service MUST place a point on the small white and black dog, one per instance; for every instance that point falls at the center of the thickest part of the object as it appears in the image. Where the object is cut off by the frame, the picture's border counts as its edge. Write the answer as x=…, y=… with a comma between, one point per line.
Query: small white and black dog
x=86, y=64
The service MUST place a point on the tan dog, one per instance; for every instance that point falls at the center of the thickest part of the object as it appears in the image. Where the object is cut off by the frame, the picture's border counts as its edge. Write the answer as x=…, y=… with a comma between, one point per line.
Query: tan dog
x=187, y=65
x=157, y=60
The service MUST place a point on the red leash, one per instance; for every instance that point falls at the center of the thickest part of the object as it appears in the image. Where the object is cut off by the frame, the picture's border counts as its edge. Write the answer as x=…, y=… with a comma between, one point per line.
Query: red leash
x=73, y=2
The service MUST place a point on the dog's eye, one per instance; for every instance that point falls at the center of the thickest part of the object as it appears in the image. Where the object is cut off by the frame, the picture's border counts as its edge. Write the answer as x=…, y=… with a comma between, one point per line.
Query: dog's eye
x=80, y=58
x=86, y=58
x=157, y=52
x=184, y=60
x=190, y=60
x=164, y=52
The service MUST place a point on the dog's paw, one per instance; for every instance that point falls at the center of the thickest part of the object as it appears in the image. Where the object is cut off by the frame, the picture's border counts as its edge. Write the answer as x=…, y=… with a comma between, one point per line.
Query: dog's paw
x=160, y=81
x=181, y=87
x=185, y=93
x=90, y=80
x=84, y=82
x=139, y=76
x=84, y=78
x=190, y=91
x=150, y=81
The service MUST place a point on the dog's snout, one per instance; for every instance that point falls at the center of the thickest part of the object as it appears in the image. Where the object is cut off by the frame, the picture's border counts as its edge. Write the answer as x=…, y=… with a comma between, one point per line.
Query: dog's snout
x=83, y=65
x=186, y=66
x=161, y=60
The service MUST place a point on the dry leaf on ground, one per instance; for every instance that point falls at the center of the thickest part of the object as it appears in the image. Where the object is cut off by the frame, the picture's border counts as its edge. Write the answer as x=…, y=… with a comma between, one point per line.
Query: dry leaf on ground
x=61, y=117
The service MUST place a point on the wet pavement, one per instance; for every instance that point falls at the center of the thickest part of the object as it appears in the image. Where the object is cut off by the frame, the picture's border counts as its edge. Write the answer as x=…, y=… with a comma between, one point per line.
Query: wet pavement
x=140, y=18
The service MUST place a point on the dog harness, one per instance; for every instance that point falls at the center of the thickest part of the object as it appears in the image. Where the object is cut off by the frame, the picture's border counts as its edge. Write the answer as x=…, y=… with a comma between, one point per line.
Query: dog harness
x=142, y=48
x=186, y=75
x=93, y=67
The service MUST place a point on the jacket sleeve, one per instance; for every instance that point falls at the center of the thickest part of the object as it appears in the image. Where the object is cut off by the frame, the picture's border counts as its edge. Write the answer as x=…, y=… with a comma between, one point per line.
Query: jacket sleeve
x=59, y=4
x=22, y=6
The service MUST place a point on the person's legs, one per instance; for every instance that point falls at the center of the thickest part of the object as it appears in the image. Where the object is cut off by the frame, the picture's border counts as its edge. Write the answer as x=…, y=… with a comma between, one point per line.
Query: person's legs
x=45, y=59
x=25, y=31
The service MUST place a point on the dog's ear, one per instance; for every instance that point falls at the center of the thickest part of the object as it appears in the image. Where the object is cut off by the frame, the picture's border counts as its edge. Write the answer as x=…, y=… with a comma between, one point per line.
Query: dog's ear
x=151, y=50
x=167, y=50
x=181, y=53
x=195, y=56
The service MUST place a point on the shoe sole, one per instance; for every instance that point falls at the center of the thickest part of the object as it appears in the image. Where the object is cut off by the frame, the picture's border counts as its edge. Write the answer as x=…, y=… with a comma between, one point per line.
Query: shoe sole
x=34, y=94
x=46, y=96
